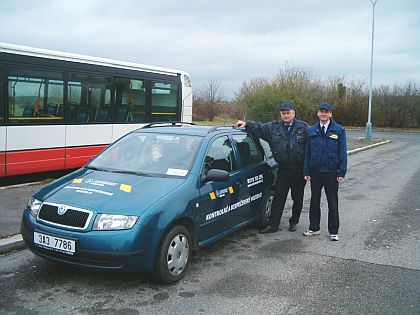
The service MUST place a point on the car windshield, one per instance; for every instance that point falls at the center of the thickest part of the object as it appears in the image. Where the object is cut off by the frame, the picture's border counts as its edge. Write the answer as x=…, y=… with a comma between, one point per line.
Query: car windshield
x=149, y=154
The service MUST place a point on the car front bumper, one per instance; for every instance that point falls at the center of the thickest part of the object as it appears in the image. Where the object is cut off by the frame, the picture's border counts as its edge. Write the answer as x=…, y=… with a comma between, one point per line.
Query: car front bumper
x=128, y=250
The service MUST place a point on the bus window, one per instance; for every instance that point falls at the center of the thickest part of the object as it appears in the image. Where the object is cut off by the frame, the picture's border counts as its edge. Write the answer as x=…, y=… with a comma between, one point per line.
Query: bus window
x=34, y=96
x=164, y=102
x=130, y=100
x=104, y=113
x=89, y=98
x=55, y=99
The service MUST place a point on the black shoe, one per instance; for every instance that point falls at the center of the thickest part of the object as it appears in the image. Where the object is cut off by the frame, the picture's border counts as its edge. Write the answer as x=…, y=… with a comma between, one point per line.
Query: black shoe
x=268, y=229
x=292, y=228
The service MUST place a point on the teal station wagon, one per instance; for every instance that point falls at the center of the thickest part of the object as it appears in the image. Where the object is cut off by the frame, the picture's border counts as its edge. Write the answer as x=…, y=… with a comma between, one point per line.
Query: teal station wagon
x=152, y=197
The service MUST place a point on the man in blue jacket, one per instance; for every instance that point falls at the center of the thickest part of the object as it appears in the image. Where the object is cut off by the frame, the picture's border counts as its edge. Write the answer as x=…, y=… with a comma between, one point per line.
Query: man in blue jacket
x=287, y=139
x=325, y=166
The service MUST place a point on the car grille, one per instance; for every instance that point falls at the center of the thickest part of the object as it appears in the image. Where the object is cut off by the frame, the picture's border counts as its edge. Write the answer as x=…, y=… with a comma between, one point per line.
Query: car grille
x=72, y=217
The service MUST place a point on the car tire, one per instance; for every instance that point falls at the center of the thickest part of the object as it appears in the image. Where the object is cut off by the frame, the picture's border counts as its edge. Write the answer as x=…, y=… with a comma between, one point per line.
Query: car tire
x=174, y=255
x=266, y=209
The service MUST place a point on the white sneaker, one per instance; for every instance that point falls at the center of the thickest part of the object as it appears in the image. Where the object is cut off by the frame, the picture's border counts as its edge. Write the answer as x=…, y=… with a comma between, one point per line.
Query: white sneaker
x=310, y=233
x=334, y=237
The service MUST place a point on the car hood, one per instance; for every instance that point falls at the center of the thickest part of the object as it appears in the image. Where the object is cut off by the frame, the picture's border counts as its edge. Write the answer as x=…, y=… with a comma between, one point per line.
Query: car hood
x=113, y=193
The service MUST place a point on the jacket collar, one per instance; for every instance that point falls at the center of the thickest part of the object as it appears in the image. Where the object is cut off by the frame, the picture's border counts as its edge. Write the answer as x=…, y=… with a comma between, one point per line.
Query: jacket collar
x=315, y=129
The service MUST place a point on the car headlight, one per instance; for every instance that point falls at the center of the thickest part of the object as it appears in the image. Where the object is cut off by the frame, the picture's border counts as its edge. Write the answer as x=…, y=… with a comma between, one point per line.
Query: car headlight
x=114, y=222
x=34, y=205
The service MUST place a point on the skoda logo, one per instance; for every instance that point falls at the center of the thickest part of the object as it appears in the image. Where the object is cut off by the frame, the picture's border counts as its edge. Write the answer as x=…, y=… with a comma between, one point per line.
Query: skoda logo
x=61, y=210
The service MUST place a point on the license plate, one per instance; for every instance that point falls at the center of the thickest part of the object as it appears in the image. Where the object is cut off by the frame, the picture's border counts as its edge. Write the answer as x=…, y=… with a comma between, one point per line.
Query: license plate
x=58, y=244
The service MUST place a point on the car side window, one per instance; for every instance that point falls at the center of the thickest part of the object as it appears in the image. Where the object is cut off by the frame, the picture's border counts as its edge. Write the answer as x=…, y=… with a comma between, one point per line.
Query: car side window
x=249, y=152
x=266, y=147
x=220, y=155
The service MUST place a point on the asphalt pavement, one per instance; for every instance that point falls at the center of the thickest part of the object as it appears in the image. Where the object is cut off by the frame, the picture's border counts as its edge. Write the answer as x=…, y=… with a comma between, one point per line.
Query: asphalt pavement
x=13, y=202
x=373, y=269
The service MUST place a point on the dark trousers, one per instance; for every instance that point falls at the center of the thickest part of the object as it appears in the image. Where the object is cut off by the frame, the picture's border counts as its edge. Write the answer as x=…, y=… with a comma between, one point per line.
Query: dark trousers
x=287, y=179
x=330, y=184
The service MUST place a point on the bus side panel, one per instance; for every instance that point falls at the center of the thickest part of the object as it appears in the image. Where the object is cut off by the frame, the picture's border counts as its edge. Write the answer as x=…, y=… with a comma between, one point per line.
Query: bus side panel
x=79, y=156
x=119, y=130
x=36, y=148
x=34, y=161
x=2, y=151
x=84, y=142
x=2, y=164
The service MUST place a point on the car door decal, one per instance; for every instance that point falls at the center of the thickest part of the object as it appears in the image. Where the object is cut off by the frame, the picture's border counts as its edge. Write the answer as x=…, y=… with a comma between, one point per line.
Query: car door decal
x=255, y=180
x=233, y=206
x=220, y=193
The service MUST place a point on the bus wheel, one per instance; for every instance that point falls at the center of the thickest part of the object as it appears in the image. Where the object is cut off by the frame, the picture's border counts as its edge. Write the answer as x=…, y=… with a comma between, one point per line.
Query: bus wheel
x=173, y=256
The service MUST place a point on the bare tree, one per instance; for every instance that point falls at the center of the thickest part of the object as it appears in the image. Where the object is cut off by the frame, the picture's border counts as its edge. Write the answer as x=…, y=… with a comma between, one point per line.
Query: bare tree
x=211, y=97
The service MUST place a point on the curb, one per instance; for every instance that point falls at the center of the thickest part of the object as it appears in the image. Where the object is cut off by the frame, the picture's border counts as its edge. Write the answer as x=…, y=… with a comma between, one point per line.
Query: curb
x=16, y=242
x=10, y=243
x=350, y=152
x=20, y=185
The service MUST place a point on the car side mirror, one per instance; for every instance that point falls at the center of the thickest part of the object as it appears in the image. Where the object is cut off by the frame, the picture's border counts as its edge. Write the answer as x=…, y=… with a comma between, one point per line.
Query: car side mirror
x=215, y=175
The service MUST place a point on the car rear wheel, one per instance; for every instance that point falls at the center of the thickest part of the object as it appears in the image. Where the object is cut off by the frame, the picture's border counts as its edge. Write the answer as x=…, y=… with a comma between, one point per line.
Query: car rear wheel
x=266, y=209
x=173, y=256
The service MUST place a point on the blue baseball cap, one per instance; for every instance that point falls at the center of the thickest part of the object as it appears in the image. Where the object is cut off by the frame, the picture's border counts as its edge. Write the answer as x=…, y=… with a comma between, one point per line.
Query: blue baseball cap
x=286, y=106
x=325, y=106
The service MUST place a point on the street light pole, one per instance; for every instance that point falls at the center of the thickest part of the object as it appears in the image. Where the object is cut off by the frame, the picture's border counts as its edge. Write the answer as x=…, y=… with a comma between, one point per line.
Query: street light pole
x=368, y=134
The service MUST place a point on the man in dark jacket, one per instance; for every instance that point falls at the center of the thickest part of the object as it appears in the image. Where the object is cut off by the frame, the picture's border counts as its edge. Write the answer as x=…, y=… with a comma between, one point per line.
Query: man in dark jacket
x=287, y=139
x=325, y=166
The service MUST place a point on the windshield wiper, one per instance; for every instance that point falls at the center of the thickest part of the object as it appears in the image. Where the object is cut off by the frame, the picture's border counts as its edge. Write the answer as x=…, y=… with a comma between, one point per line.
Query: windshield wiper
x=97, y=168
x=130, y=172
x=118, y=171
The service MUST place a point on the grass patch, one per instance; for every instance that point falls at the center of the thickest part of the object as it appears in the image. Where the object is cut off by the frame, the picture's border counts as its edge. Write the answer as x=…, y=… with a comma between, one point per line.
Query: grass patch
x=218, y=121
x=355, y=143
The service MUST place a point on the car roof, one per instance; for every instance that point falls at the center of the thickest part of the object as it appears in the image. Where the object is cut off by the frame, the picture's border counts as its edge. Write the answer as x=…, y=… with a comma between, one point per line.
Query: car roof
x=185, y=128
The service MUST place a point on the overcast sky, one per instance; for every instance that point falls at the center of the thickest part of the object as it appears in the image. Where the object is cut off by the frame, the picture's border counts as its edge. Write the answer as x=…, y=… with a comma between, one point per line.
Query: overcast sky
x=228, y=41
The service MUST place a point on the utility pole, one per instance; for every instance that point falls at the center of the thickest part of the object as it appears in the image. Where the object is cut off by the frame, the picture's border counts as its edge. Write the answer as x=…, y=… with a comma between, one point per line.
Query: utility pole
x=368, y=134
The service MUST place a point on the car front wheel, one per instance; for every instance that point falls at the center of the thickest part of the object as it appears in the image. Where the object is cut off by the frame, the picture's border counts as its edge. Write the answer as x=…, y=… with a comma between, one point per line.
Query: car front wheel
x=173, y=256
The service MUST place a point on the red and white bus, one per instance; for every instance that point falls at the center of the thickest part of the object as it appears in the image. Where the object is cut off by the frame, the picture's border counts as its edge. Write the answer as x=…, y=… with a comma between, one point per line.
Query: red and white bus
x=58, y=109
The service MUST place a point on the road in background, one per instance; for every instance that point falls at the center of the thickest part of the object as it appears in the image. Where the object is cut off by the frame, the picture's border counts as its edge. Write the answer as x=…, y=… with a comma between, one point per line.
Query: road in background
x=391, y=135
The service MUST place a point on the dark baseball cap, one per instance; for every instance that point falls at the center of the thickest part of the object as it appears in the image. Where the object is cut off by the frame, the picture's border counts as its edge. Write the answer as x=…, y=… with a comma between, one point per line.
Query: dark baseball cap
x=325, y=106
x=286, y=106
